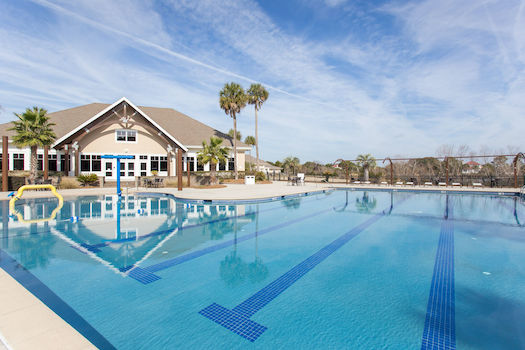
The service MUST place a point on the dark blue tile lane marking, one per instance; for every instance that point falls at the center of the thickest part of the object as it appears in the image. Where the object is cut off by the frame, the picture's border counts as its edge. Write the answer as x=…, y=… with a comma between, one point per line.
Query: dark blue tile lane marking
x=440, y=321
x=238, y=320
x=53, y=301
x=146, y=275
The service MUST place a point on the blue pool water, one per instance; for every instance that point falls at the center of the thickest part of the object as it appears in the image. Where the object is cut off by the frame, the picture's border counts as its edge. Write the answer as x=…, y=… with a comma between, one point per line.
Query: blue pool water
x=338, y=270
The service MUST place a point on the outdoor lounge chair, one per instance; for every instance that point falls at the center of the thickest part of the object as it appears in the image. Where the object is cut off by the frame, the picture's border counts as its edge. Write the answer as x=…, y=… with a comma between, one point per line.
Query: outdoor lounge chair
x=357, y=182
x=477, y=184
x=442, y=183
x=366, y=182
x=399, y=183
x=457, y=184
x=384, y=183
x=428, y=183
x=410, y=183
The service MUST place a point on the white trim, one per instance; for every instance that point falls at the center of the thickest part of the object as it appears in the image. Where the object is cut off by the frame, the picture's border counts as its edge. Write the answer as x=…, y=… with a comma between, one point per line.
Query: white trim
x=105, y=110
x=126, y=131
x=238, y=148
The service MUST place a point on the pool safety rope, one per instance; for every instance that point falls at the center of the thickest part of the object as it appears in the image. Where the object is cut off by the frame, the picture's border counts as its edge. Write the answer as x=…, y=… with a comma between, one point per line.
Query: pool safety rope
x=18, y=195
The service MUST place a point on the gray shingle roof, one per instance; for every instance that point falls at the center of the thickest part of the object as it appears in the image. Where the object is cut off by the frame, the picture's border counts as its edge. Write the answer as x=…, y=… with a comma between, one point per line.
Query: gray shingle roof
x=188, y=131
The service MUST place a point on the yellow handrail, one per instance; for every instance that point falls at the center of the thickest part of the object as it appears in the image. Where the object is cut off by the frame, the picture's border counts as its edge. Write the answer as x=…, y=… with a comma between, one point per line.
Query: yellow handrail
x=18, y=195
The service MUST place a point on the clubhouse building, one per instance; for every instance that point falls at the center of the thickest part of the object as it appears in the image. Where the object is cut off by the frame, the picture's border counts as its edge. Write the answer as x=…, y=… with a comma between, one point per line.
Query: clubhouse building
x=160, y=140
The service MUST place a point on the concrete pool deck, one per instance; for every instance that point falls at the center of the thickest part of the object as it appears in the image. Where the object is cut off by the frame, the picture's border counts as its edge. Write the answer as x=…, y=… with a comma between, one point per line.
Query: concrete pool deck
x=27, y=323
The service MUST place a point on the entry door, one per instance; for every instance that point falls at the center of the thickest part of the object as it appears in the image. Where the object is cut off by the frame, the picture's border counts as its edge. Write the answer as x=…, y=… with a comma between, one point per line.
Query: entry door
x=109, y=169
x=127, y=169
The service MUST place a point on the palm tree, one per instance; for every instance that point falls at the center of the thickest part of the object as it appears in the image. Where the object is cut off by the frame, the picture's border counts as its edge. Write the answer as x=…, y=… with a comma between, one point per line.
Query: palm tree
x=232, y=100
x=367, y=162
x=257, y=95
x=250, y=140
x=213, y=154
x=33, y=129
x=239, y=135
x=291, y=163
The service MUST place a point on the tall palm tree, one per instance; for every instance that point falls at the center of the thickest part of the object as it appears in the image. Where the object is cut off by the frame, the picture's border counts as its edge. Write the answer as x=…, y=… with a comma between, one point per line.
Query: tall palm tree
x=232, y=99
x=367, y=162
x=33, y=130
x=213, y=154
x=257, y=95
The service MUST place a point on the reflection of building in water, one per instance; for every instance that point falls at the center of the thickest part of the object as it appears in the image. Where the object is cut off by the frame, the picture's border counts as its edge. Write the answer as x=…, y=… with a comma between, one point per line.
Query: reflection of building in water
x=125, y=233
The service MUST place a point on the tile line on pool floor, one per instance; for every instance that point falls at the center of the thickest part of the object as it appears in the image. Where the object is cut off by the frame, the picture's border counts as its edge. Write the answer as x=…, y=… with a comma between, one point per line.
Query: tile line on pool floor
x=36, y=287
x=440, y=329
x=147, y=275
x=238, y=320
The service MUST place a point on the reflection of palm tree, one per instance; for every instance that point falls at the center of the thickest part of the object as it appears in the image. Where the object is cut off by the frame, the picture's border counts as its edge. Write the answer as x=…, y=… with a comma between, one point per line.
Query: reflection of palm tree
x=257, y=270
x=233, y=270
x=34, y=250
x=365, y=204
x=293, y=203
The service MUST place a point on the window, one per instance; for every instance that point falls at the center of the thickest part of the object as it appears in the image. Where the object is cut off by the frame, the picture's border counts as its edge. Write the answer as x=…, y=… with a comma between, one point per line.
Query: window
x=85, y=163
x=159, y=163
x=52, y=159
x=154, y=163
x=164, y=163
x=126, y=135
x=200, y=166
x=131, y=169
x=40, y=162
x=109, y=168
x=222, y=165
x=18, y=161
x=231, y=163
x=190, y=161
x=96, y=163
x=122, y=169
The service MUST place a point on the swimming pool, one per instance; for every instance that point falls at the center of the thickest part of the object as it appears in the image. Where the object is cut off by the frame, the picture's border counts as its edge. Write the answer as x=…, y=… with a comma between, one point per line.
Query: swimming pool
x=342, y=269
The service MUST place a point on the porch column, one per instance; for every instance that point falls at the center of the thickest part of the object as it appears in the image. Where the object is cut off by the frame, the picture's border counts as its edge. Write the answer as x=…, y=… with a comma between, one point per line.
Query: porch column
x=46, y=162
x=77, y=162
x=5, y=165
x=188, y=167
x=179, y=169
x=66, y=161
x=169, y=164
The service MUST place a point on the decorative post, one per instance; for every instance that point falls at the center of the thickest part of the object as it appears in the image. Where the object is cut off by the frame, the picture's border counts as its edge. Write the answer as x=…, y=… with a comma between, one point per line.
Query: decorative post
x=5, y=164
x=446, y=164
x=391, y=170
x=179, y=169
x=515, y=164
x=66, y=161
x=188, y=168
x=46, y=162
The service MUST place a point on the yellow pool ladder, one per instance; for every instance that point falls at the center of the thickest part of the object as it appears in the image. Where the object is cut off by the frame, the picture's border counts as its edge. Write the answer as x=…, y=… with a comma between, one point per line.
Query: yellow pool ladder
x=18, y=195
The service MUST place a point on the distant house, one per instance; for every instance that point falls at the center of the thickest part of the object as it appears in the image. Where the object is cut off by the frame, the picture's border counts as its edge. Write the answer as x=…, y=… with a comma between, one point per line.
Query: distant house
x=264, y=166
x=472, y=167
x=153, y=136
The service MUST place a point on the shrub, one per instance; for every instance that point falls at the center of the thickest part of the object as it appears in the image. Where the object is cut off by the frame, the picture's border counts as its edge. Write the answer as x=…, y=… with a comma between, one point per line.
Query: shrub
x=68, y=182
x=260, y=176
x=88, y=179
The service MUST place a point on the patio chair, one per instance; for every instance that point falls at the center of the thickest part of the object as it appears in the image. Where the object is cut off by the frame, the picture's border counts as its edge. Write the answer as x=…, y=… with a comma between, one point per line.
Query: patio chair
x=357, y=182
x=384, y=183
x=442, y=183
x=456, y=184
x=410, y=183
x=399, y=183
x=477, y=184
x=428, y=183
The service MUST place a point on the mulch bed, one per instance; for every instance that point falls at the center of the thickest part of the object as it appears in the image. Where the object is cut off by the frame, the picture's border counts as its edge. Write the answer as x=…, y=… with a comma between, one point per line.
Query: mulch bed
x=209, y=186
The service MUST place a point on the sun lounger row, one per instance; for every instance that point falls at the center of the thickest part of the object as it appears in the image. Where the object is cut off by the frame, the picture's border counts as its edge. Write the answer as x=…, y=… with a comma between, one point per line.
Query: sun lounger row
x=411, y=183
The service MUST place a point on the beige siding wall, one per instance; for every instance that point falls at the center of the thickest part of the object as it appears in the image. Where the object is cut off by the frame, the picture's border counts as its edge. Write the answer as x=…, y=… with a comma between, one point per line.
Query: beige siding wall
x=103, y=140
x=241, y=159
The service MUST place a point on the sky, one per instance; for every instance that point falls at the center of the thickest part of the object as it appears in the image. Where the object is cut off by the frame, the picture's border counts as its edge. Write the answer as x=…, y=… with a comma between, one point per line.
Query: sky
x=388, y=78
